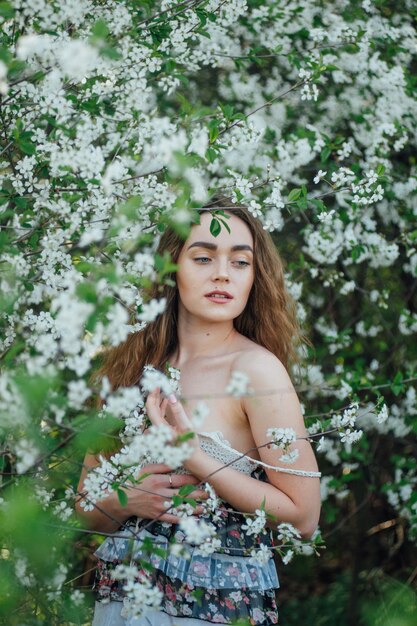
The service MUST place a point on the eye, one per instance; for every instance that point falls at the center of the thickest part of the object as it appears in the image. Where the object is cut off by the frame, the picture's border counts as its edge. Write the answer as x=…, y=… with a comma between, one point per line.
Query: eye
x=241, y=263
x=202, y=260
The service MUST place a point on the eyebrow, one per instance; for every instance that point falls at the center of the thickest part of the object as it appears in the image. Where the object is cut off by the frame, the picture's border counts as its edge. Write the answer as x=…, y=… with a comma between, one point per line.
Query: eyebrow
x=212, y=246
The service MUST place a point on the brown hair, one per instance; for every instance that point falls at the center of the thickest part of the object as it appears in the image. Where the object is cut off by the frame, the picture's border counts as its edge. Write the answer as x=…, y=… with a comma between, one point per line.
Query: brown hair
x=268, y=318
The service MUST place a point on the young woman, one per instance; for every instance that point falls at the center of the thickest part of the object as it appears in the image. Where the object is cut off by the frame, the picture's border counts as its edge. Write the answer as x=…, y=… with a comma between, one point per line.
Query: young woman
x=228, y=312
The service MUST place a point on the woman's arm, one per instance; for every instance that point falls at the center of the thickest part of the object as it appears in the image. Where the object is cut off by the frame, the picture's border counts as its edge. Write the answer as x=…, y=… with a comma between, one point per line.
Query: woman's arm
x=145, y=500
x=293, y=499
x=247, y=494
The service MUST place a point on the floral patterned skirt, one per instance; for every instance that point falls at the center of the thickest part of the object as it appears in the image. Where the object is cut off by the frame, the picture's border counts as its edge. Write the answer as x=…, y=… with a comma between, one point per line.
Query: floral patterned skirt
x=218, y=588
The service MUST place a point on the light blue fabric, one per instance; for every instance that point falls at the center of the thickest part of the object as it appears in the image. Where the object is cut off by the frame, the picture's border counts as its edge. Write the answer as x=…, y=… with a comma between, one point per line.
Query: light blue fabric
x=109, y=615
x=218, y=570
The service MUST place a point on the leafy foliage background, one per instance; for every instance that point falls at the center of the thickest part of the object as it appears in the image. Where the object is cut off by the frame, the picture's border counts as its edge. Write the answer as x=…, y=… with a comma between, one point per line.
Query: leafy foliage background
x=118, y=118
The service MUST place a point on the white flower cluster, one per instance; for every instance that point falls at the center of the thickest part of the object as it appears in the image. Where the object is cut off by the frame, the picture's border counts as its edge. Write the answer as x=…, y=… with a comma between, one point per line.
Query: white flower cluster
x=123, y=401
x=238, y=384
x=200, y=533
x=156, y=446
x=108, y=139
x=407, y=323
x=22, y=571
x=260, y=555
x=153, y=379
x=199, y=414
x=255, y=525
x=141, y=594
x=151, y=310
x=291, y=542
x=97, y=483
x=281, y=438
x=56, y=582
x=212, y=502
x=309, y=90
x=366, y=191
x=400, y=496
x=345, y=424
x=27, y=454
x=4, y=87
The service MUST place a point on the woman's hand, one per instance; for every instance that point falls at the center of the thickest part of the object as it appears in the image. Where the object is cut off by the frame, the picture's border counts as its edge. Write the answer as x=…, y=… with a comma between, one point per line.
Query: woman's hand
x=146, y=500
x=179, y=423
x=149, y=498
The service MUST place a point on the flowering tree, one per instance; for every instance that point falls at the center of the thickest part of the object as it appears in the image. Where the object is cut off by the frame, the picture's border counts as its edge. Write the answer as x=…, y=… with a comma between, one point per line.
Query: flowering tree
x=120, y=118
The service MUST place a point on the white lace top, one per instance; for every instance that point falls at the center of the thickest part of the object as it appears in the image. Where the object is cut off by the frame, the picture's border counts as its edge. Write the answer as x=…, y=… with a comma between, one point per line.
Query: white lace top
x=217, y=446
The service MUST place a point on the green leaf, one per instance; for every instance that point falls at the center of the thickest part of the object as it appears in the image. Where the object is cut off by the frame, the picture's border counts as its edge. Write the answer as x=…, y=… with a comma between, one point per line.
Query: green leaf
x=213, y=130
x=227, y=110
x=87, y=292
x=26, y=146
x=100, y=30
x=211, y=155
x=215, y=227
x=397, y=386
x=226, y=225
x=325, y=153
x=110, y=53
x=6, y=10
x=185, y=490
x=294, y=195
x=239, y=116
x=122, y=496
x=202, y=16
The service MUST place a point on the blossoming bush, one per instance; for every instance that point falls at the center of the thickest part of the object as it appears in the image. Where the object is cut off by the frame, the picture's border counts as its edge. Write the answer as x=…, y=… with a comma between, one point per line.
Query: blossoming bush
x=118, y=119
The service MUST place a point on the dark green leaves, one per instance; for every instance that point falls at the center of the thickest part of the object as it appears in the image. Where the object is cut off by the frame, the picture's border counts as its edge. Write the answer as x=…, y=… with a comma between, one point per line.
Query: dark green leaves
x=219, y=218
x=122, y=497
x=6, y=10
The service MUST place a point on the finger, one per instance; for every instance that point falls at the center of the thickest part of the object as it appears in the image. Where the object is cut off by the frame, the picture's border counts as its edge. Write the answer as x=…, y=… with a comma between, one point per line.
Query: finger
x=168, y=494
x=153, y=409
x=156, y=468
x=185, y=479
x=199, y=510
x=179, y=480
x=163, y=405
x=168, y=517
x=181, y=418
x=198, y=494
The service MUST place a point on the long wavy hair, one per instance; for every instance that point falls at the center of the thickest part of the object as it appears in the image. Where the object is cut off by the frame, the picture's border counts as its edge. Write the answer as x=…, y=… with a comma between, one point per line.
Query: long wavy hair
x=268, y=319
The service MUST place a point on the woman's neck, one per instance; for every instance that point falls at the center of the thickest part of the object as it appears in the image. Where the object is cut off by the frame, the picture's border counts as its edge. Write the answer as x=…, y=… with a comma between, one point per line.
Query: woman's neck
x=199, y=338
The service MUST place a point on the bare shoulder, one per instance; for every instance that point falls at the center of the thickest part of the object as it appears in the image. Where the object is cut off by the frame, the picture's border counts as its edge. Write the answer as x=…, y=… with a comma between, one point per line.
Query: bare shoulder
x=262, y=367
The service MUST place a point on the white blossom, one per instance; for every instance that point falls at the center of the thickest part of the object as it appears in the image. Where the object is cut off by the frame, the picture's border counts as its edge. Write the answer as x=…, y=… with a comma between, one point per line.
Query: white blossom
x=382, y=414
x=78, y=392
x=287, y=557
x=27, y=454
x=281, y=437
x=3, y=79
x=238, y=384
x=255, y=525
x=320, y=175
x=260, y=555
x=152, y=309
x=199, y=414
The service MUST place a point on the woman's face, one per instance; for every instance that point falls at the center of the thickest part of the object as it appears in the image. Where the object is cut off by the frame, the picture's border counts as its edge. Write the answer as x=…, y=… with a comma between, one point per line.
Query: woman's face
x=216, y=274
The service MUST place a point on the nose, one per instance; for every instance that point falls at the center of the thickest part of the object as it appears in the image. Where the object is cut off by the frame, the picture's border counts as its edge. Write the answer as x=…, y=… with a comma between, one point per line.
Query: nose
x=221, y=271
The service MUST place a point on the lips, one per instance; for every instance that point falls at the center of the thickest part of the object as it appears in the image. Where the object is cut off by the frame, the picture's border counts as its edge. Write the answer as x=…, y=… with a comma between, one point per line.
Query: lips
x=219, y=295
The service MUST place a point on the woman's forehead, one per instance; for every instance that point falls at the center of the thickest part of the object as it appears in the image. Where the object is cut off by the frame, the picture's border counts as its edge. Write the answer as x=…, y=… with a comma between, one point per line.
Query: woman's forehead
x=239, y=232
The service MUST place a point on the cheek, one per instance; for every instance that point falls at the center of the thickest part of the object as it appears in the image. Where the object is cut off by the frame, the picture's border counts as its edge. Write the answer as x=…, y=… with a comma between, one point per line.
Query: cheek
x=249, y=283
x=185, y=282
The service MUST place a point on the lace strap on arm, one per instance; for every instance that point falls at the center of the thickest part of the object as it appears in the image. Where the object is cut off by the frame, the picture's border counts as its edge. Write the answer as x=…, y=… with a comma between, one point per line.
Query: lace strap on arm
x=218, y=437
x=286, y=470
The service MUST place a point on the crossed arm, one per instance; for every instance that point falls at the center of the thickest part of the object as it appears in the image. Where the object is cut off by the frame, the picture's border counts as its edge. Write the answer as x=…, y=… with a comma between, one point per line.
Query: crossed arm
x=293, y=499
x=289, y=498
x=145, y=500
